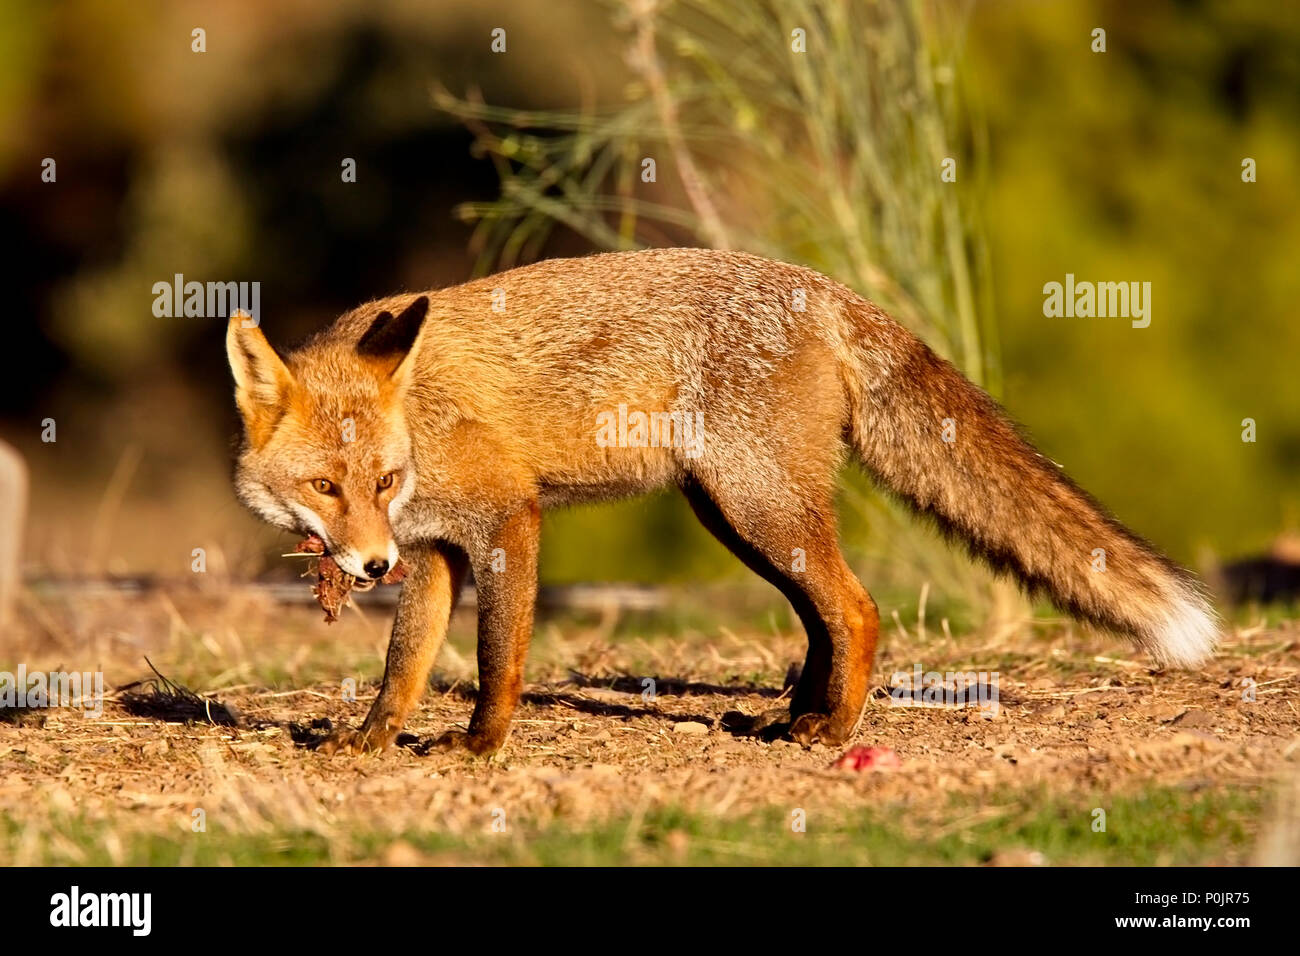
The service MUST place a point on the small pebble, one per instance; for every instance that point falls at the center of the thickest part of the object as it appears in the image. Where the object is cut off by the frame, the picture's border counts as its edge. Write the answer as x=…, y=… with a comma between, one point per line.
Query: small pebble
x=690, y=727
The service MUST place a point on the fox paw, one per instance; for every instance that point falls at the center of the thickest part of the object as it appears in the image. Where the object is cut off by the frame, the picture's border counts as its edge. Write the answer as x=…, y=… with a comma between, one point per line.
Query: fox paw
x=356, y=742
x=460, y=740
x=809, y=729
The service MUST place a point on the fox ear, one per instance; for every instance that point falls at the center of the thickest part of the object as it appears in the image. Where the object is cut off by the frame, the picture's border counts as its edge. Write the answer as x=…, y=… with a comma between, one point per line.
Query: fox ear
x=261, y=377
x=390, y=338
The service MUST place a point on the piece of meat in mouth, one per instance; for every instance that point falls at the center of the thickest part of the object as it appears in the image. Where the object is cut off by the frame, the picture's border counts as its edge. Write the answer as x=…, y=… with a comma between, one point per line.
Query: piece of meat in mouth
x=333, y=583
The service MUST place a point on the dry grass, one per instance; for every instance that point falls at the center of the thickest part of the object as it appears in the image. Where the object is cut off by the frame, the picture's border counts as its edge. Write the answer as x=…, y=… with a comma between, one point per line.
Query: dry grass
x=158, y=698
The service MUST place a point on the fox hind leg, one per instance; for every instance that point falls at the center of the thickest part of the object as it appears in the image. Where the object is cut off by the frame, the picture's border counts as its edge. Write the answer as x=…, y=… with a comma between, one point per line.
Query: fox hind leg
x=839, y=616
x=813, y=678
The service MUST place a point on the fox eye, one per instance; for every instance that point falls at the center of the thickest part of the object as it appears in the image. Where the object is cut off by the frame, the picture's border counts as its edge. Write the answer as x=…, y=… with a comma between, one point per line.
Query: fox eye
x=385, y=481
x=323, y=486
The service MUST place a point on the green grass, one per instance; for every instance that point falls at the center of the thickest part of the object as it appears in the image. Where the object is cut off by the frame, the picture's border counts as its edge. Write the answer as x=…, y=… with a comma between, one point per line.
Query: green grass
x=1158, y=826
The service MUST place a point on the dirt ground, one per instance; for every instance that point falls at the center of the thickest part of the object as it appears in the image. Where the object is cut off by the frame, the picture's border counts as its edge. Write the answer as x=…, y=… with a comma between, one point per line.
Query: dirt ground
x=1077, y=715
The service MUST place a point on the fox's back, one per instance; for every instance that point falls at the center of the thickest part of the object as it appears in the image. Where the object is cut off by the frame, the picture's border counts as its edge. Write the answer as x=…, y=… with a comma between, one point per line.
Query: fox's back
x=653, y=323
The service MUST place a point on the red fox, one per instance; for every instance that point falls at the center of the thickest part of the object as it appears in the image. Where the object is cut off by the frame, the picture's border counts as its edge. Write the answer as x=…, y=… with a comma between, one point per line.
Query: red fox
x=437, y=426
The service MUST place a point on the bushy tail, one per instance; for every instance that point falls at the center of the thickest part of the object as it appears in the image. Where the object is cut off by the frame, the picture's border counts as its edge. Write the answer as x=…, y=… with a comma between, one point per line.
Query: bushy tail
x=989, y=488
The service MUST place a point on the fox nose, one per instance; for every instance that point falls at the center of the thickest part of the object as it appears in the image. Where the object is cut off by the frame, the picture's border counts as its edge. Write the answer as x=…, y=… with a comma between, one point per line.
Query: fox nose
x=376, y=568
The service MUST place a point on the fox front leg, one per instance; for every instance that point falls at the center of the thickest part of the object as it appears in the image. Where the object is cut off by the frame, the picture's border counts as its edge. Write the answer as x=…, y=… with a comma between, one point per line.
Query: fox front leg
x=505, y=574
x=429, y=593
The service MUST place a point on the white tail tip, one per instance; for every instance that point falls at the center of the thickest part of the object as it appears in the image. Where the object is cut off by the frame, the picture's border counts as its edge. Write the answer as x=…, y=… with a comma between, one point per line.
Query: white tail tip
x=1189, y=632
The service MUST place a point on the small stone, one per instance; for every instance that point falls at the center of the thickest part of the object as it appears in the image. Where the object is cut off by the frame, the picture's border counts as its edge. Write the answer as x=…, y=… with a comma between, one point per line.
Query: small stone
x=690, y=727
x=1193, y=718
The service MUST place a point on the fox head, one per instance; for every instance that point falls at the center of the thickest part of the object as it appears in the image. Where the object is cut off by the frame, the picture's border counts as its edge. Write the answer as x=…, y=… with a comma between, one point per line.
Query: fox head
x=326, y=449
